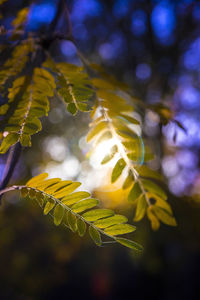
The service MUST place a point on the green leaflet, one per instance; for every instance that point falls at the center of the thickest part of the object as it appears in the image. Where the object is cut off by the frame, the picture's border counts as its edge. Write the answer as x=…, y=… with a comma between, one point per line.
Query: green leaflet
x=130, y=244
x=160, y=202
x=25, y=140
x=134, y=156
x=96, y=214
x=130, y=145
x=75, y=197
x=71, y=107
x=67, y=190
x=113, y=102
x=57, y=186
x=32, y=194
x=155, y=223
x=140, y=208
x=144, y=171
x=42, y=185
x=154, y=188
x=8, y=141
x=40, y=198
x=116, y=219
x=122, y=127
x=105, y=136
x=164, y=216
x=135, y=192
x=120, y=229
x=118, y=168
x=81, y=227
x=128, y=181
x=24, y=192
x=58, y=214
x=108, y=157
x=96, y=130
x=129, y=119
x=37, y=179
x=84, y=205
x=71, y=219
x=95, y=235
x=102, y=84
x=48, y=206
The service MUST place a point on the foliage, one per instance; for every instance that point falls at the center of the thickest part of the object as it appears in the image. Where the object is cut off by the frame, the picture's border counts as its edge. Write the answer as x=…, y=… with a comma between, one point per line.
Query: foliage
x=29, y=78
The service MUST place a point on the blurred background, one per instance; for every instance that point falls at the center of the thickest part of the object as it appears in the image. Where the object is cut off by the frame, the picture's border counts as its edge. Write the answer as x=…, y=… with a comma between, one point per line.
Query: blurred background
x=154, y=46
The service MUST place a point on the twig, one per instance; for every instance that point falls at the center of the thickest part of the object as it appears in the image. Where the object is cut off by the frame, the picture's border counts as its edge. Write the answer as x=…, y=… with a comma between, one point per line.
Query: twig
x=53, y=24
x=10, y=188
x=69, y=24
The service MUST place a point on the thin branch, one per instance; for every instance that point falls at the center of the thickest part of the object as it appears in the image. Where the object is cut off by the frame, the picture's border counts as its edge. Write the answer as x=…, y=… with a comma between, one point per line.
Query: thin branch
x=12, y=160
x=69, y=24
x=53, y=24
x=10, y=188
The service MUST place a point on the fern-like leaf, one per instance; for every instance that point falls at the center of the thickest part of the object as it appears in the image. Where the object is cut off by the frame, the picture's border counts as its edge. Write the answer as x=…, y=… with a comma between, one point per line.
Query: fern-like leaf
x=73, y=86
x=33, y=103
x=115, y=119
x=15, y=64
x=76, y=210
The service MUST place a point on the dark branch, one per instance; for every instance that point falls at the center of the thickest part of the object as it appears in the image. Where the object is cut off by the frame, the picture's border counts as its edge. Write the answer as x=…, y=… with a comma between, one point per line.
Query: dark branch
x=53, y=24
x=12, y=160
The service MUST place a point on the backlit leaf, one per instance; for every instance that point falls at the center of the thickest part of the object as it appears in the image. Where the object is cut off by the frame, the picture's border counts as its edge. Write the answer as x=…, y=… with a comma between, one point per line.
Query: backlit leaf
x=140, y=208
x=84, y=204
x=75, y=197
x=164, y=216
x=128, y=181
x=118, y=168
x=49, y=206
x=37, y=179
x=58, y=214
x=154, y=188
x=96, y=130
x=135, y=192
x=71, y=219
x=116, y=219
x=130, y=244
x=95, y=235
x=97, y=214
x=120, y=229
x=81, y=227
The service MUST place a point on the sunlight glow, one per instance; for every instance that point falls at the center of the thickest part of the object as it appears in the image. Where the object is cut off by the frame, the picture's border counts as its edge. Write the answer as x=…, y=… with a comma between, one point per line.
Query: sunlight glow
x=100, y=151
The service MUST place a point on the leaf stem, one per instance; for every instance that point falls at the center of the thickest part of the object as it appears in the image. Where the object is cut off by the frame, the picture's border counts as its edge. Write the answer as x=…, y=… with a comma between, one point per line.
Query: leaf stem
x=10, y=188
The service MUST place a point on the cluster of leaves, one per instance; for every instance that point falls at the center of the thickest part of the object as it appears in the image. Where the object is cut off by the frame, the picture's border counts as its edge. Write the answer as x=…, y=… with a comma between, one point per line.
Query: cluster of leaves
x=33, y=103
x=114, y=120
x=77, y=209
x=31, y=82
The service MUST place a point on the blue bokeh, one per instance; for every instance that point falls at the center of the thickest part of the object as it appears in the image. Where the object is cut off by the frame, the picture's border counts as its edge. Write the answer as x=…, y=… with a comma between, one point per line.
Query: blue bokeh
x=143, y=71
x=163, y=21
x=192, y=56
x=85, y=8
x=41, y=14
x=121, y=8
x=139, y=23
